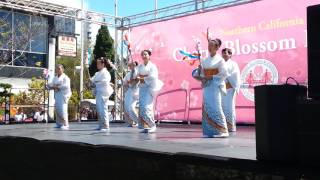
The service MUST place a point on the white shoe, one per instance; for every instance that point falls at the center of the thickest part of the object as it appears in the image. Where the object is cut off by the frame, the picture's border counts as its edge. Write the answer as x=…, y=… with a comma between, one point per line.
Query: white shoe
x=222, y=135
x=64, y=127
x=132, y=125
x=150, y=130
x=102, y=127
x=104, y=130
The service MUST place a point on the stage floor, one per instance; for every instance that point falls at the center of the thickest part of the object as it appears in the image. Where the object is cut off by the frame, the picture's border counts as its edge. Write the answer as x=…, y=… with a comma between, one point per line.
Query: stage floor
x=169, y=138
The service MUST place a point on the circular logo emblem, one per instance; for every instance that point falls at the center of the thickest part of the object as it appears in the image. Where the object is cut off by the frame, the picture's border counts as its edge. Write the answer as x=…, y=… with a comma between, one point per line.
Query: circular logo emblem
x=257, y=72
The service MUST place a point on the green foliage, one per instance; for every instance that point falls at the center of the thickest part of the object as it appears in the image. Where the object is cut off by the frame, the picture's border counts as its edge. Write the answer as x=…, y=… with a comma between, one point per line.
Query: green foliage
x=5, y=86
x=37, y=83
x=35, y=95
x=88, y=95
x=1, y=112
x=6, y=91
x=74, y=99
x=103, y=48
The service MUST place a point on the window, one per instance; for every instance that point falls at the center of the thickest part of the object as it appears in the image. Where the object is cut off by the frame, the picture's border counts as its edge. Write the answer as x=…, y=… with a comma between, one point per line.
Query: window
x=36, y=60
x=26, y=36
x=64, y=25
x=5, y=57
x=39, y=26
x=5, y=29
x=21, y=32
x=30, y=59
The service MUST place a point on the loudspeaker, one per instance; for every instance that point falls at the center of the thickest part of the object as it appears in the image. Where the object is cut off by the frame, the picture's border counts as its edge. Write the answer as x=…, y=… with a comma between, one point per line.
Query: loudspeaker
x=275, y=107
x=313, y=29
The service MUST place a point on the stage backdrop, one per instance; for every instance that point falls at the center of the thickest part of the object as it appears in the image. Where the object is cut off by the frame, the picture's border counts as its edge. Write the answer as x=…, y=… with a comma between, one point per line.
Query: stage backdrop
x=268, y=39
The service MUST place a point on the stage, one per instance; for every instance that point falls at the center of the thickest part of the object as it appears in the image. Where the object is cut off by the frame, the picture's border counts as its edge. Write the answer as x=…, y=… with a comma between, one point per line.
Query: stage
x=175, y=151
x=169, y=138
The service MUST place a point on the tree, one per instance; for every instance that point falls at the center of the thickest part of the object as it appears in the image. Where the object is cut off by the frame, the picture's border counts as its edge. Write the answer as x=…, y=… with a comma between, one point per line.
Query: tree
x=5, y=91
x=103, y=48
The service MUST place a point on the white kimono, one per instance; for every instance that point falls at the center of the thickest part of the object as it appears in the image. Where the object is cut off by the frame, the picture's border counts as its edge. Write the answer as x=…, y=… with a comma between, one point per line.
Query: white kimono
x=131, y=97
x=152, y=80
x=61, y=96
x=228, y=102
x=147, y=92
x=102, y=91
x=213, y=120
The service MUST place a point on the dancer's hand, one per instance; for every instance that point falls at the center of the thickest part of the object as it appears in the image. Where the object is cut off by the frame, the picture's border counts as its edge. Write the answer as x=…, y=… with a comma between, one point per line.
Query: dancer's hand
x=133, y=81
x=140, y=79
x=88, y=84
x=56, y=88
x=125, y=87
x=199, y=69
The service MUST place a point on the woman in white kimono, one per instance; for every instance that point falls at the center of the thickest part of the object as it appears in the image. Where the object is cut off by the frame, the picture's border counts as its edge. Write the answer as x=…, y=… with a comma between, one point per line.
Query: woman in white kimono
x=62, y=93
x=131, y=95
x=148, y=88
x=212, y=73
x=233, y=85
x=102, y=90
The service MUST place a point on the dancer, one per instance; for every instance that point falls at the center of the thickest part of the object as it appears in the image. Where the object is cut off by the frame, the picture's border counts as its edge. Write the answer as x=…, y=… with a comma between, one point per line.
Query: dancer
x=62, y=93
x=102, y=91
x=131, y=95
x=212, y=73
x=233, y=86
x=148, y=87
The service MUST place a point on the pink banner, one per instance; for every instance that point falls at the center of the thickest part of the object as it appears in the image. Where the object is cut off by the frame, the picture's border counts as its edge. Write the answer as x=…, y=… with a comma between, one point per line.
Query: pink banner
x=268, y=39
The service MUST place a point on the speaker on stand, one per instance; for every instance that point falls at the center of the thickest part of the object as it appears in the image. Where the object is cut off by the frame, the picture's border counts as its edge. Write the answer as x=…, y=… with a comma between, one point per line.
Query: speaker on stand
x=308, y=113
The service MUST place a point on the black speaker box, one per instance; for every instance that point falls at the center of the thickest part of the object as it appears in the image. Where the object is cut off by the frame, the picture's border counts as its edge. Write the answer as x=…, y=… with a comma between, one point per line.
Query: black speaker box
x=313, y=29
x=275, y=113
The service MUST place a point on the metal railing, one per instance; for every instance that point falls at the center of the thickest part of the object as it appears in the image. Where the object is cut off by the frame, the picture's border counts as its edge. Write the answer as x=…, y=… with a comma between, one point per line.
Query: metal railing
x=158, y=115
x=188, y=107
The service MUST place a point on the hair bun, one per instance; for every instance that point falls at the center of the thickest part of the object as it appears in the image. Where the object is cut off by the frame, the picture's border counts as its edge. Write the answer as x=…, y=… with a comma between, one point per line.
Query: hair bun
x=149, y=51
x=219, y=41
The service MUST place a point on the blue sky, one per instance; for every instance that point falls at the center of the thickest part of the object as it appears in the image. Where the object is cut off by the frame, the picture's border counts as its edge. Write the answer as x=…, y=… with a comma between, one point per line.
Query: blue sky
x=128, y=7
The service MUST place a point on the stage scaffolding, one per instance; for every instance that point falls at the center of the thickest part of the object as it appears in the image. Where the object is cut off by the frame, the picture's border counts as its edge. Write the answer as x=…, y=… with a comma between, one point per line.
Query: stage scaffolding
x=180, y=10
